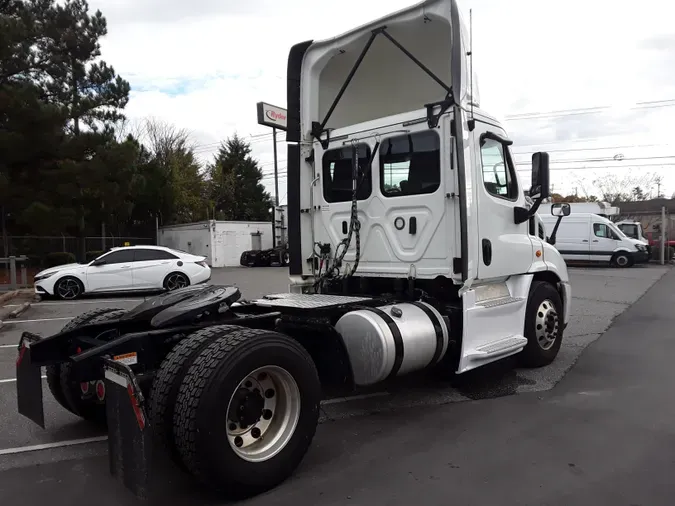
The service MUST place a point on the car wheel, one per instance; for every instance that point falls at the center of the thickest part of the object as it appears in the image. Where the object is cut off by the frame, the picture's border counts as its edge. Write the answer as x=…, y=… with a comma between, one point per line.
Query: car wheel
x=68, y=288
x=176, y=280
x=622, y=260
x=286, y=258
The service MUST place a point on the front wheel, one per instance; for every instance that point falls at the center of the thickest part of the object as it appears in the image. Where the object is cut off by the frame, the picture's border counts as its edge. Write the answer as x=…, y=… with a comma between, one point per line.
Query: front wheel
x=247, y=411
x=543, y=325
x=622, y=260
x=68, y=288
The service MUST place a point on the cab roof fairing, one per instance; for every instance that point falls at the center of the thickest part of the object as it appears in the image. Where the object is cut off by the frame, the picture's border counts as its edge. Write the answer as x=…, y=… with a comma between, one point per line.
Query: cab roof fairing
x=387, y=82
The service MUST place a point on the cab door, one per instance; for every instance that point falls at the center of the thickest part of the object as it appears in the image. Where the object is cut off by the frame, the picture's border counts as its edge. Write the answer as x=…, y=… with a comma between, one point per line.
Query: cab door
x=504, y=247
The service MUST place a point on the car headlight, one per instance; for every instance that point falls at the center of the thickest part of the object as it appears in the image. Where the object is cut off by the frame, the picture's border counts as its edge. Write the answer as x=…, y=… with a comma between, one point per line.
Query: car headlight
x=44, y=276
x=641, y=247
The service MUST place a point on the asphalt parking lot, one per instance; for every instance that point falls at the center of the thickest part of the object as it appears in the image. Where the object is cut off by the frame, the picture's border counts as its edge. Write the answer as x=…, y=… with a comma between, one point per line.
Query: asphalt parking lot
x=599, y=296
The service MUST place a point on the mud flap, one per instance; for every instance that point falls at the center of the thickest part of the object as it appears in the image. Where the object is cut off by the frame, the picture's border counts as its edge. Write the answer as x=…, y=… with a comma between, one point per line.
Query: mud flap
x=29, y=382
x=129, y=432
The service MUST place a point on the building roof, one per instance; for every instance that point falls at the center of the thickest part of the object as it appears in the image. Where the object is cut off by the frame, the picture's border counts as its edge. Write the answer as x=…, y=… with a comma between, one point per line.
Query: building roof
x=647, y=206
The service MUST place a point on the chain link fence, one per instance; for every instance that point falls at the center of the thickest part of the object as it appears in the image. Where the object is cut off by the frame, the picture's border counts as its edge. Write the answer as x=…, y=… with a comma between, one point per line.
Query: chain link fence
x=46, y=251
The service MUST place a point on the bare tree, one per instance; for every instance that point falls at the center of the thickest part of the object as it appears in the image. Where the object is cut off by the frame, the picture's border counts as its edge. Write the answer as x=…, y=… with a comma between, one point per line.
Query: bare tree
x=163, y=138
x=626, y=188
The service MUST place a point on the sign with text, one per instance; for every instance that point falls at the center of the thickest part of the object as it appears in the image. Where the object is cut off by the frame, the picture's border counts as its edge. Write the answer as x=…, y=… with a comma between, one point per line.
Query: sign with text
x=271, y=116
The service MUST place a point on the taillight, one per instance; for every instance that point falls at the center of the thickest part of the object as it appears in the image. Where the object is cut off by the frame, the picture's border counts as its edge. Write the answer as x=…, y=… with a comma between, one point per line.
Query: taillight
x=202, y=263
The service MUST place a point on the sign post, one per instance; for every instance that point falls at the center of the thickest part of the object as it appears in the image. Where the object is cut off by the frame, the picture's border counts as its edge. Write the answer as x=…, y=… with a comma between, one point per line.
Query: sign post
x=276, y=118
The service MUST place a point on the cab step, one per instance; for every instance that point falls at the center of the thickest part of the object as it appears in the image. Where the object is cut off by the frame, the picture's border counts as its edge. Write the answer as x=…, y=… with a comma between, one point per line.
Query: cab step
x=504, y=346
x=499, y=301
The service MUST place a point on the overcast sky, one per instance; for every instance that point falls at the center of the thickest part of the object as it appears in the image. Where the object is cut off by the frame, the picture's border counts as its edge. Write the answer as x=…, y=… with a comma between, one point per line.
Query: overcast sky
x=204, y=64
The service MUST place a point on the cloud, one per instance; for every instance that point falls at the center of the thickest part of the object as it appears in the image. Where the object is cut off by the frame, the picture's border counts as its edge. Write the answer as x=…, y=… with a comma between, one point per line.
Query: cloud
x=204, y=64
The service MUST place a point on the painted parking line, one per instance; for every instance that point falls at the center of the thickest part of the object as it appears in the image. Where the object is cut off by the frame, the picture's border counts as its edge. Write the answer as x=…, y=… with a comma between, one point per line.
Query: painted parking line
x=79, y=302
x=8, y=322
x=49, y=446
x=3, y=346
x=13, y=380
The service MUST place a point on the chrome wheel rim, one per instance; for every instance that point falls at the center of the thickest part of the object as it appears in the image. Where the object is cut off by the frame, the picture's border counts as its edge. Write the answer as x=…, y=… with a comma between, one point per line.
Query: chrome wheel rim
x=69, y=289
x=176, y=281
x=547, y=323
x=263, y=413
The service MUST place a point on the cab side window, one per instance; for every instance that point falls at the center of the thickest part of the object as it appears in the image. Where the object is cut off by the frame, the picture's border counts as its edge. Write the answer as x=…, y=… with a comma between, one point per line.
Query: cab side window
x=498, y=176
x=602, y=230
x=337, y=174
x=410, y=164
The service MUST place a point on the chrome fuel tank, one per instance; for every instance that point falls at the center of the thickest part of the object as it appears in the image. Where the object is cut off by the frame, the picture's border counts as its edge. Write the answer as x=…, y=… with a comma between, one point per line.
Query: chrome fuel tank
x=392, y=340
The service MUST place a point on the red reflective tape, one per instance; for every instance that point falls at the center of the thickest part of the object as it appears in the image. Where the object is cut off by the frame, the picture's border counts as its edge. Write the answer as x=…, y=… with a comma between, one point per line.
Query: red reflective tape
x=22, y=352
x=140, y=417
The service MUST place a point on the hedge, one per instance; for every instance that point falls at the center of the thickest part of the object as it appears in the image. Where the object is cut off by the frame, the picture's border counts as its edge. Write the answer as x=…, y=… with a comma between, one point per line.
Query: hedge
x=59, y=258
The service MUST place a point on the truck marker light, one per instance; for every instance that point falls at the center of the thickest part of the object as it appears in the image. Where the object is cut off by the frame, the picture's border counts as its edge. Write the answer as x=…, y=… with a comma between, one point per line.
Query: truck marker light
x=22, y=351
x=140, y=417
x=538, y=253
x=127, y=358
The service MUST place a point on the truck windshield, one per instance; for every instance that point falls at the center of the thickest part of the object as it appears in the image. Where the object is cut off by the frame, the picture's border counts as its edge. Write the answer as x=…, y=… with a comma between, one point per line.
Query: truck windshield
x=630, y=230
x=616, y=230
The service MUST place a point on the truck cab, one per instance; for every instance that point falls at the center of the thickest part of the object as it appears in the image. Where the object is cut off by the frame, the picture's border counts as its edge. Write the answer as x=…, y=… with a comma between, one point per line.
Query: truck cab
x=634, y=230
x=406, y=186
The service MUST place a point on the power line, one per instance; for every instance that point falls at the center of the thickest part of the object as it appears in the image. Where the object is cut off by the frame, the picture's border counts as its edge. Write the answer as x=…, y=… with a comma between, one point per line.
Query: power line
x=631, y=166
x=654, y=104
x=597, y=160
x=571, y=150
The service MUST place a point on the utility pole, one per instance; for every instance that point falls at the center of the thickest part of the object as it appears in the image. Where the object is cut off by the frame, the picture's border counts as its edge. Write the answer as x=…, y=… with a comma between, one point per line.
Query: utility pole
x=658, y=189
x=663, y=234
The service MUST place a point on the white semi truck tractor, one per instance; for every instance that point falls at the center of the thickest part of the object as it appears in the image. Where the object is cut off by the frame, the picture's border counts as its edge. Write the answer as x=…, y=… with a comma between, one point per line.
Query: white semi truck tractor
x=412, y=247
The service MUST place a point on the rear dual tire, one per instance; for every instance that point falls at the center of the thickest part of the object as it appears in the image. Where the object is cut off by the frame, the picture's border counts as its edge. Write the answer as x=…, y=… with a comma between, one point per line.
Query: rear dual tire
x=68, y=392
x=232, y=438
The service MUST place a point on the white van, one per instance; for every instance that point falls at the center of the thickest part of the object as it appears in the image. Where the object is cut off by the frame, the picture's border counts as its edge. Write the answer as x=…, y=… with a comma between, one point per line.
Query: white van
x=587, y=237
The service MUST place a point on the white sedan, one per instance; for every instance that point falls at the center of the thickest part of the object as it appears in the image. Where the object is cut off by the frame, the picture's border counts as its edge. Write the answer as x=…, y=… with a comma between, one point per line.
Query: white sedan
x=130, y=268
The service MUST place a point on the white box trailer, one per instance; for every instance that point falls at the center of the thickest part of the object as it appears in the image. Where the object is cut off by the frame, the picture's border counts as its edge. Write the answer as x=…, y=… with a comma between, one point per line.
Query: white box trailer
x=221, y=242
x=600, y=208
x=412, y=246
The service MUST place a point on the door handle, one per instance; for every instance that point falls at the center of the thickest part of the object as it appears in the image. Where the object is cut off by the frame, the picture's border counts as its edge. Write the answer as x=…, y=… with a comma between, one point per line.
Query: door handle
x=487, y=251
x=124, y=266
x=585, y=240
x=595, y=240
x=412, y=227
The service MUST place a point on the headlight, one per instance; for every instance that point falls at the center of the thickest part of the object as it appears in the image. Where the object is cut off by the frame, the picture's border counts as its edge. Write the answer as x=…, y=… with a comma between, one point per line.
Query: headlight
x=44, y=276
x=640, y=247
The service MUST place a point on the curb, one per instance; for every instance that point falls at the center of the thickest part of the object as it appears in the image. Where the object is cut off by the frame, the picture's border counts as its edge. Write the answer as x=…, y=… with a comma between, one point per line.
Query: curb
x=23, y=307
x=6, y=297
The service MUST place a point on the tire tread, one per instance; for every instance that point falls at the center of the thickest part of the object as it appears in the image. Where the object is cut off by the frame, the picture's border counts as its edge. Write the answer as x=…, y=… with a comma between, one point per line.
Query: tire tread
x=169, y=377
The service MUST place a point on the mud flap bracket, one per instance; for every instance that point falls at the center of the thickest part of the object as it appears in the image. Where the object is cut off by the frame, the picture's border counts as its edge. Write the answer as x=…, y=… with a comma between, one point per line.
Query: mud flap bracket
x=129, y=432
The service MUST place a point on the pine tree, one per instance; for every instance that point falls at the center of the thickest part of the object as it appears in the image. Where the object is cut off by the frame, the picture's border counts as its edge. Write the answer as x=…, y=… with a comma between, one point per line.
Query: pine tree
x=237, y=191
x=89, y=90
